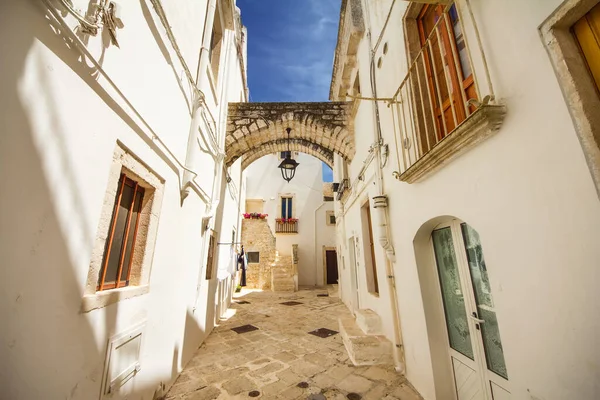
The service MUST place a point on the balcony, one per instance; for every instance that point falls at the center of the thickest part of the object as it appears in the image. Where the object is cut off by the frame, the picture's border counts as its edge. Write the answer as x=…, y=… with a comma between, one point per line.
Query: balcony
x=343, y=188
x=283, y=225
x=443, y=106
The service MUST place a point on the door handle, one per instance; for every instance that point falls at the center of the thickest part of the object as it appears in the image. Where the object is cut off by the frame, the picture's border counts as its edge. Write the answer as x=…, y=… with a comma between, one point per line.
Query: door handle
x=477, y=320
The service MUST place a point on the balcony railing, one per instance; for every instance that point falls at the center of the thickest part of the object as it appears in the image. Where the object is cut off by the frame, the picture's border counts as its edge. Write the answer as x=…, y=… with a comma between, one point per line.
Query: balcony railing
x=439, y=95
x=343, y=186
x=286, y=226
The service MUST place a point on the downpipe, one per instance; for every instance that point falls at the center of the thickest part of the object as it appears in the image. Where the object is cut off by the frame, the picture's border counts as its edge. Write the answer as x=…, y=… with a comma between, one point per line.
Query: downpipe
x=192, y=151
x=380, y=205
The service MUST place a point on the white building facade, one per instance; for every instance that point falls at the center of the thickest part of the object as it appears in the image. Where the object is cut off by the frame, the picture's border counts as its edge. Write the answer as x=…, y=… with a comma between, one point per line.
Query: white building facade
x=298, y=213
x=118, y=214
x=468, y=215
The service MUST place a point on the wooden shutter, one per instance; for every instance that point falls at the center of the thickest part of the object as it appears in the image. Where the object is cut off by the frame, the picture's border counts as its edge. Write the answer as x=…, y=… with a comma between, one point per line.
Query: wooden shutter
x=211, y=256
x=587, y=32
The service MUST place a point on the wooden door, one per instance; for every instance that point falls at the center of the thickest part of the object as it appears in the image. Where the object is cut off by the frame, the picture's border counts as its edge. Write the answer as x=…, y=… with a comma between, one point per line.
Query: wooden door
x=332, y=267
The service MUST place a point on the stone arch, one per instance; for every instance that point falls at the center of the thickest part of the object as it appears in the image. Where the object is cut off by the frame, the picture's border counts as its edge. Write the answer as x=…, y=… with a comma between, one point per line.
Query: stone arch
x=318, y=129
x=280, y=145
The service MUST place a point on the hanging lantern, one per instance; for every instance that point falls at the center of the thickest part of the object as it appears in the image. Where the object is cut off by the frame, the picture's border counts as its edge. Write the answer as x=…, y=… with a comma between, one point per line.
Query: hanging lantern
x=288, y=165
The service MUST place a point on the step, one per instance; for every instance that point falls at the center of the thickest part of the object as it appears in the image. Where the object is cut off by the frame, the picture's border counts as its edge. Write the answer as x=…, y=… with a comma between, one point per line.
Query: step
x=365, y=349
x=368, y=321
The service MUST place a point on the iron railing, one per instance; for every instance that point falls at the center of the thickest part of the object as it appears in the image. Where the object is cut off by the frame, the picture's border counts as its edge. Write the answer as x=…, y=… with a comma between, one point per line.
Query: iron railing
x=440, y=90
x=286, y=226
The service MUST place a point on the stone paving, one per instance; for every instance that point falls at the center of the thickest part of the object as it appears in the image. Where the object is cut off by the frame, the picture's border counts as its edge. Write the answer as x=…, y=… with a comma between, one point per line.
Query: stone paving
x=280, y=359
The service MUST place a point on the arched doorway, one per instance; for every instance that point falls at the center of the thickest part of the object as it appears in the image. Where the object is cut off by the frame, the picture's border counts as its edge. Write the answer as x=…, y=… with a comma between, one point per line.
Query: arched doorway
x=463, y=330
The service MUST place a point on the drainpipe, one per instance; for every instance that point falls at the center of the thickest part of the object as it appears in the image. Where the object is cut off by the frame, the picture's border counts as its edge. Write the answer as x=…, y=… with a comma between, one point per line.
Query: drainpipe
x=316, y=267
x=192, y=151
x=380, y=205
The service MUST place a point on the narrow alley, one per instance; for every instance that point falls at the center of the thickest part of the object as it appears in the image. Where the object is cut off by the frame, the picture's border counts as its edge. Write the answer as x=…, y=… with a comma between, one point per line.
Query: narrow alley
x=276, y=354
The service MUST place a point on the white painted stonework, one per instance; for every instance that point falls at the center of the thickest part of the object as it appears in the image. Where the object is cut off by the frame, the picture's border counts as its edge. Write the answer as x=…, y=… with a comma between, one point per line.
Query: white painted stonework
x=264, y=182
x=65, y=118
x=526, y=190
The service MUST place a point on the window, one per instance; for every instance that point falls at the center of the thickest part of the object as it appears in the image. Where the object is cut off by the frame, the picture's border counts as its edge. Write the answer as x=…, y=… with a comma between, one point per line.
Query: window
x=253, y=257
x=286, y=207
x=285, y=154
x=587, y=32
x=121, y=259
x=571, y=35
x=210, y=259
x=369, y=249
x=356, y=86
x=330, y=218
x=118, y=255
x=214, y=54
x=449, y=77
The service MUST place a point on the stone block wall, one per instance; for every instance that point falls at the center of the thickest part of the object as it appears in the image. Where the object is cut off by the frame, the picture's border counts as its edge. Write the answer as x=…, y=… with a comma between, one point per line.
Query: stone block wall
x=257, y=236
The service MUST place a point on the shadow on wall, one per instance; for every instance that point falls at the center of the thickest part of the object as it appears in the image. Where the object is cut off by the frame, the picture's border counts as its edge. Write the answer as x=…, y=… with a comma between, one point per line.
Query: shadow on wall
x=47, y=346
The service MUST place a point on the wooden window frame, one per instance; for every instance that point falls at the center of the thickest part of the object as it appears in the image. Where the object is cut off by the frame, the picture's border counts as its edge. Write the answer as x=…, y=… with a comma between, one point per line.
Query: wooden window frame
x=119, y=283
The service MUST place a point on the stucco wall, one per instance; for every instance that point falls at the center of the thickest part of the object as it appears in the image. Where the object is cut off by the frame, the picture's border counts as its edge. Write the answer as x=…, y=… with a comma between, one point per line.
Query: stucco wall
x=61, y=121
x=265, y=182
x=527, y=191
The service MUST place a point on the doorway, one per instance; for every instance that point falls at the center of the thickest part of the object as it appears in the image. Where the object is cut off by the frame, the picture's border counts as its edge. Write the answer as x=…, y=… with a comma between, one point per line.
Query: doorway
x=331, y=267
x=473, y=335
x=353, y=275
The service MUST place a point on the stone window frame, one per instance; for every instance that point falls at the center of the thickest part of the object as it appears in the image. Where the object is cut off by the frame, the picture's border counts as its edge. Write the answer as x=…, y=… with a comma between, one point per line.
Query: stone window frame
x=574, y=79
x=286, y=195
x=328, y=216
x=124, y=161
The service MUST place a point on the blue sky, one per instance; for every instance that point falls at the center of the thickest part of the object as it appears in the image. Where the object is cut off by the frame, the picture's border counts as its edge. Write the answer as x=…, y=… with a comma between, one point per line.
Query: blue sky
x=291, y=44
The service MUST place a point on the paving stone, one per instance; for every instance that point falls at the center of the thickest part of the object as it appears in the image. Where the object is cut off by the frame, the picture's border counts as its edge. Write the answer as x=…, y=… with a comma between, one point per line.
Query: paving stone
x=324, y=380
x=275, y=388
x=405, y=392
x=355, y=383
x=376, y=393
x=207, y=393
x=285, y=356
x=305, y=368
x=267, y=369
x=187, y=387
x=378, y=373
x=280, y=354
x=339, y=372
x=289, y=376
x=293, y=392
x=320, y=359
x=238, y=385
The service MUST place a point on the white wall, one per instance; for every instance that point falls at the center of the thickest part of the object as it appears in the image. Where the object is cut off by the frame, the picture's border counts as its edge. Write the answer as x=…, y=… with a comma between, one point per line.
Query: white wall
x=264, y=181
x=527, y=191
x=61, y=121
